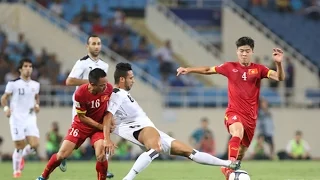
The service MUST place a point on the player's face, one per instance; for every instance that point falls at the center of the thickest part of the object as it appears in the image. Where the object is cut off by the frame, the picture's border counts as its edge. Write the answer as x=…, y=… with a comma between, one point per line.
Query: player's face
x=244, y=54
x=26, y=69
x=94, y=46
x=129, y=80
x=101, y=85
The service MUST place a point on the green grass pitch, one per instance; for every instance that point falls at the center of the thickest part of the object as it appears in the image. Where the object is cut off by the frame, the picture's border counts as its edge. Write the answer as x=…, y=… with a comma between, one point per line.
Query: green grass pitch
x=178, y=170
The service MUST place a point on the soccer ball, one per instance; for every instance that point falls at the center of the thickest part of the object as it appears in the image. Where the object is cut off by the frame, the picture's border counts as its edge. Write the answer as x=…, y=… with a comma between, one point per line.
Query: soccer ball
x=239, y=175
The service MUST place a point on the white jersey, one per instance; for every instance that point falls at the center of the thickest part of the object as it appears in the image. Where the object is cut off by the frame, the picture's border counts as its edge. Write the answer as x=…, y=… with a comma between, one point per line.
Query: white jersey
x=82, y=69
x=124, y=108
x=84, y=65
x=22, y=100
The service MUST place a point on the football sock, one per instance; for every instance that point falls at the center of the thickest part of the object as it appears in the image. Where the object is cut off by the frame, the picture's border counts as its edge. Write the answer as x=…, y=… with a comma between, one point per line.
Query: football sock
x=51, y=165
x=28, y=150
x=207, y=159
x=16, y=159
x=234, y=145
x=141, y=163
x=102, y=168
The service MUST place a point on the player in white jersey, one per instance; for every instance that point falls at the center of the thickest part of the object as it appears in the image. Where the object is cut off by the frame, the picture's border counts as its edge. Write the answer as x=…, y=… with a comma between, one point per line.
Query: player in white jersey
x=133, y=124
x=80, y=73
x=24, y=105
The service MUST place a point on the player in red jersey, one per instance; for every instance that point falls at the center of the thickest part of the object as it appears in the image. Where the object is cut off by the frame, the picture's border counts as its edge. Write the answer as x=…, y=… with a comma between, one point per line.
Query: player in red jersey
x=91, y=101
x=244, y=78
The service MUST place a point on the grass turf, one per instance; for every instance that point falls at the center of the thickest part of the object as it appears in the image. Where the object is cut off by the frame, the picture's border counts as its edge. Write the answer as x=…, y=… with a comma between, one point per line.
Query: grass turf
x=177, y=170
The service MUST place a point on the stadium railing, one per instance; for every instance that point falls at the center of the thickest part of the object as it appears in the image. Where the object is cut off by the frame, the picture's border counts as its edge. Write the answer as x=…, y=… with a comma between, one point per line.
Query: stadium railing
x=193, y=97
x=189, y=30
x=63, y=24
x=276, y=39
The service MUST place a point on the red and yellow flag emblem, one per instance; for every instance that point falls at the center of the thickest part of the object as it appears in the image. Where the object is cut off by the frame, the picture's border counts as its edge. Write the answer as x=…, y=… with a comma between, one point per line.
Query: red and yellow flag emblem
x=104, y=98
x=253, y=71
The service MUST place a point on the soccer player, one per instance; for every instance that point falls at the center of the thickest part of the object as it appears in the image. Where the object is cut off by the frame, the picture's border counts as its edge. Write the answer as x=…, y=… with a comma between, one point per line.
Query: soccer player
x=244, y=78
x=24, y=105
x=91, y=101
x=80, y=71
x=133, y=124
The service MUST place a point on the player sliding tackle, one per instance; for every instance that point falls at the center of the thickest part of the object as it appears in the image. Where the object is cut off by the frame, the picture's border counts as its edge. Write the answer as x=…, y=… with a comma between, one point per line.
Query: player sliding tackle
x=244, y=79
x=134, y=125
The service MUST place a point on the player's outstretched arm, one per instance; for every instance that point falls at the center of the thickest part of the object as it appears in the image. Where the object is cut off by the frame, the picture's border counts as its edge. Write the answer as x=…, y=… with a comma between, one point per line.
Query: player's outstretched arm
x=198, y=70
x=87, y=120
x=277, y=56
x=108, y=144
x=75, y=81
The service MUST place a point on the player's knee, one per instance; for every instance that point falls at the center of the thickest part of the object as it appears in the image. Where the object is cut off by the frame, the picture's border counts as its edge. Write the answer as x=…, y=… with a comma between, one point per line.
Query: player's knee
x=62, y=155
x=100, y=157
x=153, y=153
x=155, y=145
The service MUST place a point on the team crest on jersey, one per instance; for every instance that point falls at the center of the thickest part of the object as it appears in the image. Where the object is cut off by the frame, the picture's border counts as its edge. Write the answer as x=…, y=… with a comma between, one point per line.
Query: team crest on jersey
x=104, y=98
x=253, y=71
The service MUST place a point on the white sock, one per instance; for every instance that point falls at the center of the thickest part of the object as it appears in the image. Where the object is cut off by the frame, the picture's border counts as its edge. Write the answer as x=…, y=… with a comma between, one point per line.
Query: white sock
x=27, y=150
x=207, y=159
x=16, y=160
x=141, y=163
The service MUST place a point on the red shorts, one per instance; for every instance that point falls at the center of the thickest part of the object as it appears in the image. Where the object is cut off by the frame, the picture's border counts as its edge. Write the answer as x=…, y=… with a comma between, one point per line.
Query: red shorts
x=78, y=136
x=248, y=134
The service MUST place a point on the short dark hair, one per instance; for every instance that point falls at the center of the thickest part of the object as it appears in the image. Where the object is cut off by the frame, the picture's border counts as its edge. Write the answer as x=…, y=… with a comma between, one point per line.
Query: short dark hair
x=96, y=74
x=121, y=71
x=243, y=41
x=298, y=133
x=90, y=36
x=22, y=61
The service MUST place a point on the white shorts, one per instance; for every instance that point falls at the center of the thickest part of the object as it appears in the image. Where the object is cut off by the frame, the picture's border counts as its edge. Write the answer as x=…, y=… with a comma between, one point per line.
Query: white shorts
x=126, y=130
x=21, y=131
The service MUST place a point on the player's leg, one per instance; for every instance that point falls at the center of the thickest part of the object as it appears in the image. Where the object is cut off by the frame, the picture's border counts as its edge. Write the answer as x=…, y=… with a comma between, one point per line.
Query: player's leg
x=32, y=137
x=73, y=139
x=181, y=149
x=150, y=138
x=63, y=164
x=65, y=151
x=102, y=162
x=236, y=130
x=18, y=137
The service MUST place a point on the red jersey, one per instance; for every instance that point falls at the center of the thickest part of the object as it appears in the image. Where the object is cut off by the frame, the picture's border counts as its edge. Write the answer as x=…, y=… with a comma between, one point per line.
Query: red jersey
x=93, y=105
x=243, y=87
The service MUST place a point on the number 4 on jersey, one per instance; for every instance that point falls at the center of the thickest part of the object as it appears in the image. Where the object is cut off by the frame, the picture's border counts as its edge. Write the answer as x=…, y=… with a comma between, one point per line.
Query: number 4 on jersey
x=244, y=76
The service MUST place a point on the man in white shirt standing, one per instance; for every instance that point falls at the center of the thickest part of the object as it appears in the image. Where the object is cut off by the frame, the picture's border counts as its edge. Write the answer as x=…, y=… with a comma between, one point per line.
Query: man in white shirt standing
x=24, y=105
x=80, y=73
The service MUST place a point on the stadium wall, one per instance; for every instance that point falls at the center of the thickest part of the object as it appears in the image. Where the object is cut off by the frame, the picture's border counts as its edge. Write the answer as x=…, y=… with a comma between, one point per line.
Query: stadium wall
x=182, y=122
x=182, y=43
x=235, y=26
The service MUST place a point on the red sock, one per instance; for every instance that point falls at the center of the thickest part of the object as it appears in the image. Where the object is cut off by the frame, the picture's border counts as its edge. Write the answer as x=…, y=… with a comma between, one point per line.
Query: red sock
x=102, y=168
x=234, y=145
x=51, y=165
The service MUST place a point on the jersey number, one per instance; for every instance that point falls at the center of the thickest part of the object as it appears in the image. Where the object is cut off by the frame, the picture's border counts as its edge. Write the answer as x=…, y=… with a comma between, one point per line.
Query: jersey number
x=131, y=99
x=21, y=91
x=74, y=132
x=244, y=76
x=95, y=103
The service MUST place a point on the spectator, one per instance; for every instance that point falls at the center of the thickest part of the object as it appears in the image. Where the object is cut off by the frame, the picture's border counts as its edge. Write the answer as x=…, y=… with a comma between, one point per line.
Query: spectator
x=57, y=8
x=142, y=53
x=74, y=26
x=1, y=153
x=296, y=5
x=124, y=150
x=3, y=69
x=258, y=149
x=283, y=5
x=297, y=149
x=165, y=56
x=95, y=14
x=13, y=74
x=207, y=143
x=84, y=15
x=199, y=133
x=53, y=140
x=289, y=81
x=97, y=27
x=265, y=124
